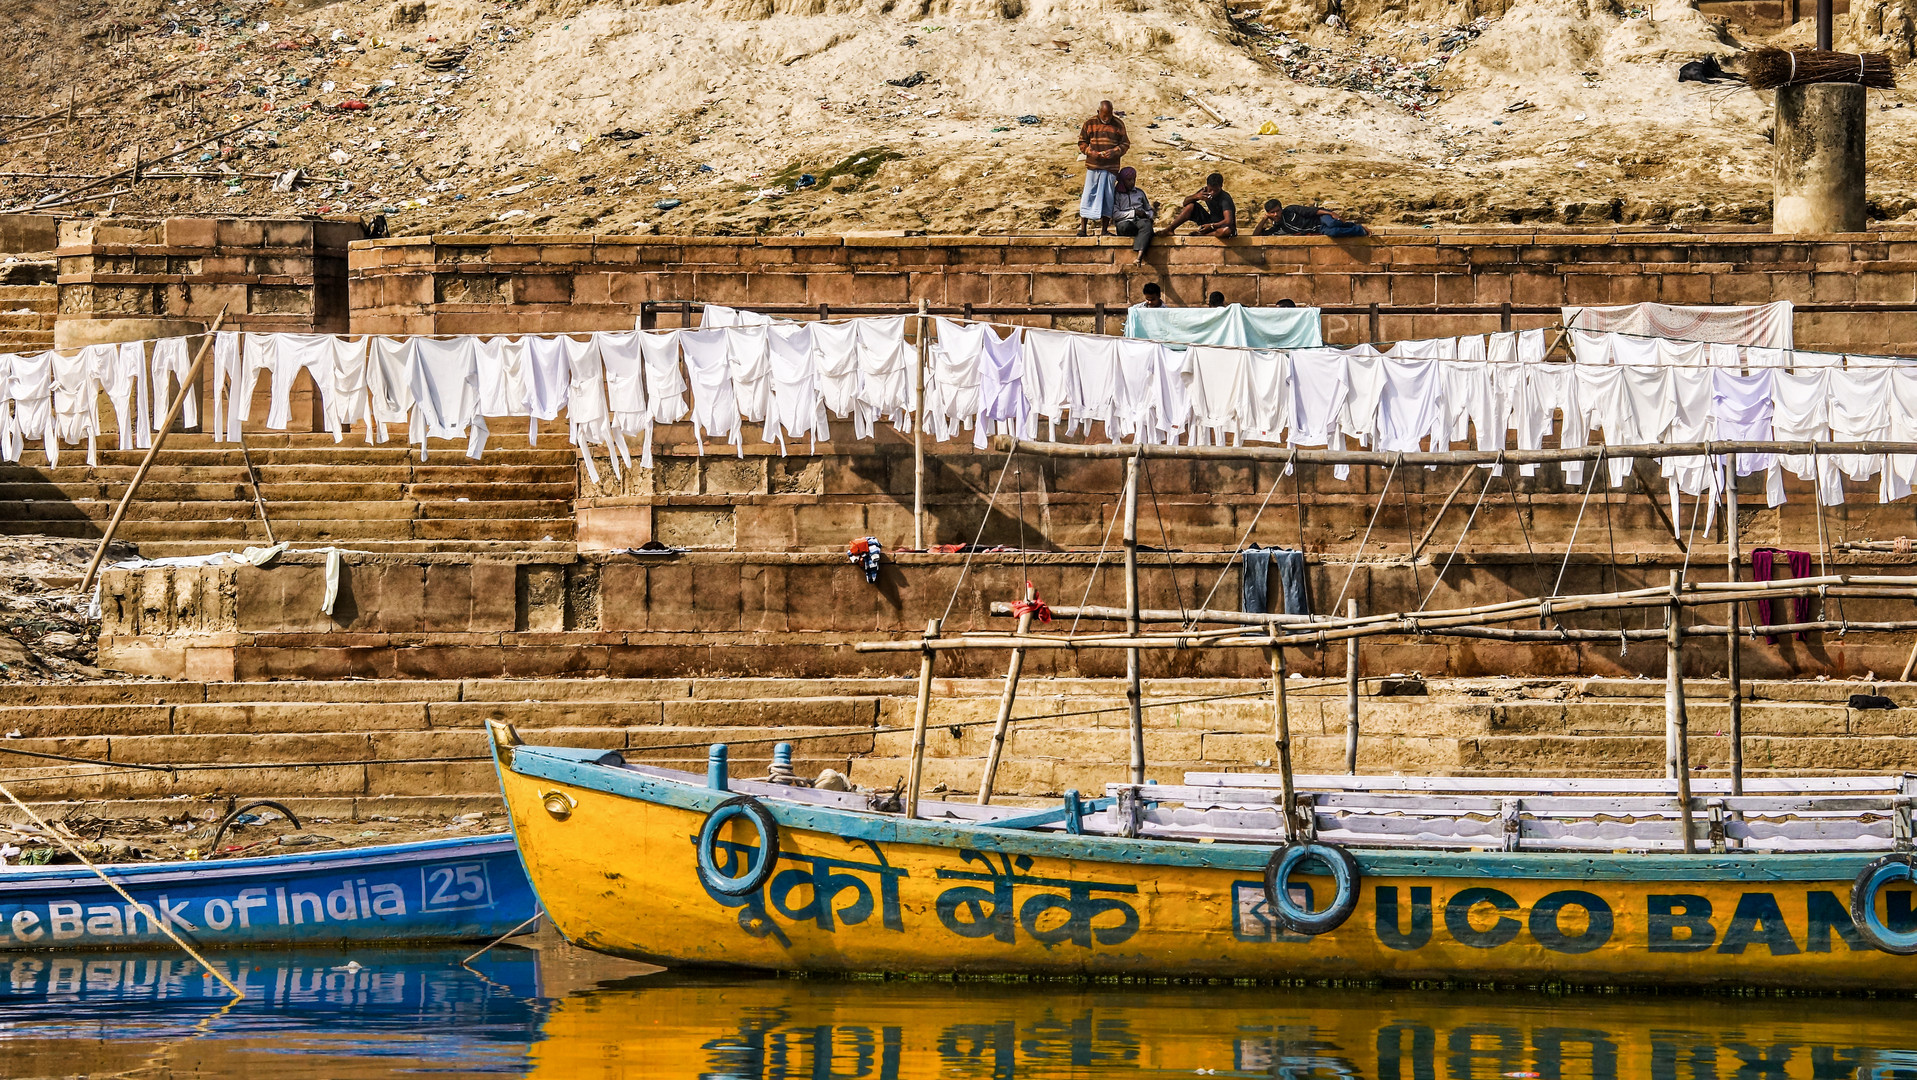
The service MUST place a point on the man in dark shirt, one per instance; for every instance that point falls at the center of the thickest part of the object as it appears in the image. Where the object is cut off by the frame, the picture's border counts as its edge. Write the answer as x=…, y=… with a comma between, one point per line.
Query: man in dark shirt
x=1210, y=208
x=1272, y=224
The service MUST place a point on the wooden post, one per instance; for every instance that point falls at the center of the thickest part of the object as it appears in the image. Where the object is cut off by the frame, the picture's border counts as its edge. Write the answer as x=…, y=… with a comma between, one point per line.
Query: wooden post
x=1098, y=319
x=187, y=385
x=253, y=481
x=918, y=723
x=1733, y=662
x=1005, y=699
x=1504, y=317
x=918, y=431
x=1677, y=749
x=648, y=316
x=1281, y=734
x=1134, y=696
x=1377, y=324
x=1351, y=696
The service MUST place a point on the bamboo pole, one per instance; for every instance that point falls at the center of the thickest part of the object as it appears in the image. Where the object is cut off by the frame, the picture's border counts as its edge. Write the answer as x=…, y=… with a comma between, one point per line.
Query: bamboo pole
x=1010, y=694
x=1676, y=723
x=253, y=481
x=1444, y=508
x=1281, y=735
x=1351, y=696
x=1006, y=443
x=1134, y=695
x=187, y=385
x=1734, y=646
x=924, y=710
x=133, y=906
x=918, y=429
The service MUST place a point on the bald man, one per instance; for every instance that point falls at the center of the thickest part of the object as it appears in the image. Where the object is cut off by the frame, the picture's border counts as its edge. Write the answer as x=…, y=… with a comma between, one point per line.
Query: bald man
x=1103, y=141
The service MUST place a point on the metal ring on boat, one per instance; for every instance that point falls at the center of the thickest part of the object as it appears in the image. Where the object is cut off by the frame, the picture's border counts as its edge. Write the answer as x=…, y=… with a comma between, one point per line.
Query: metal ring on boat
x=754, y=811
x=1863, y=904
x=1344, y=874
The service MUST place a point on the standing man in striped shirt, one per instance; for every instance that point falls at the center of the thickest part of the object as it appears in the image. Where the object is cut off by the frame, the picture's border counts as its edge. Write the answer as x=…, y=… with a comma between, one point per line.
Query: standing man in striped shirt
x=1103, y=141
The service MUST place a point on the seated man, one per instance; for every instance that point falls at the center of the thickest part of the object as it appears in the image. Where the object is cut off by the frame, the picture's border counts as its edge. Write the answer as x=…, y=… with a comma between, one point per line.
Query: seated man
x=1133, y=211
x=1154, y=296
x=1210, y=208
x=1272, y=223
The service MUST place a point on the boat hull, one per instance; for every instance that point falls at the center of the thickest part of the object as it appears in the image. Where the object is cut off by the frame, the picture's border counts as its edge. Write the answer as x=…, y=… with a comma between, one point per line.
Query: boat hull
x=863, y=892
x=437, y=890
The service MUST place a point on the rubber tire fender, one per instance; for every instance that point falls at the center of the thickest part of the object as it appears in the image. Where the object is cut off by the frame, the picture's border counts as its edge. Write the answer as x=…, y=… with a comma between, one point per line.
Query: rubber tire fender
x=1344, y=871
x=1863, y=903
x=761, y=870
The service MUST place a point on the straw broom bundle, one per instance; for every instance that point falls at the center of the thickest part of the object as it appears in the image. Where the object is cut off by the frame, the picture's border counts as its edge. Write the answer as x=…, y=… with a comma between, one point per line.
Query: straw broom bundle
x=1770, y=68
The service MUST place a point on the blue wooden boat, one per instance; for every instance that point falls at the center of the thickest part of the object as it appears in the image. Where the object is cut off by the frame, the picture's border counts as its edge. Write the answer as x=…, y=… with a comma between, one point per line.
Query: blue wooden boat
x=465, y=889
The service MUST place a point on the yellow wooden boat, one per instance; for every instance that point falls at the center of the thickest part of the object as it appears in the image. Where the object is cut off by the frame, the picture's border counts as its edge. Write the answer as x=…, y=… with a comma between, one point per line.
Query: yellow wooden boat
x=1807, y=883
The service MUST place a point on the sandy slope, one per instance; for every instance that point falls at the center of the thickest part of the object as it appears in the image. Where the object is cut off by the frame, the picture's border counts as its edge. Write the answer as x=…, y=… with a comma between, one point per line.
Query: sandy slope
x=726, y=104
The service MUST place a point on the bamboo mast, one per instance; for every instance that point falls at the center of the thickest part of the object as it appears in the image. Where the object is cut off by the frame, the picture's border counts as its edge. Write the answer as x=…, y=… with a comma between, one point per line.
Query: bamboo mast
x=1733, y=662
x=918, y=723
x=1677, y=749
x=1351, y=695
x=1009, y=695
x=1134, y=696
x=1281, y=735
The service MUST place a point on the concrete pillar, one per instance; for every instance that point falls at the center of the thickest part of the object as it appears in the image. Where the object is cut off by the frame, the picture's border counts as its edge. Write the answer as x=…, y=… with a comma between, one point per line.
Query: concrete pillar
x=1818, y=161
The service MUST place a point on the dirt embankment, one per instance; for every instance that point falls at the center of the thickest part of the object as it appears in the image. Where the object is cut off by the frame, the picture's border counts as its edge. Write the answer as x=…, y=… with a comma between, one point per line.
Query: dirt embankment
x=742, y=116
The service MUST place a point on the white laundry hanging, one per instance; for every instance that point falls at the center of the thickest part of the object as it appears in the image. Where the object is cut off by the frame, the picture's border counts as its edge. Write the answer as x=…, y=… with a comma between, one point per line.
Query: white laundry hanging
x=1424, y=349
x=1900, y=470
x=1693, y=389
x=1411, y=406
x=1475, y=405
x=389, y=383
x=548, y=382
x=1741, y=411
x=1800, y=401
x=123, y=379
x=1630, y=405
x=886, y=362
x=1047, y=376
x=30, y=396
x=797, y=410
x=445, y=387
x=835, y=352
x=502, y=376
x=1139, y=408
x=1320, y=388
x=751, y=367
x=349, y=402
x=171, y=362
x=1216, y=378
x=225, y=377
x=627, y=411
x=714, y=409
x=1590, y=346
x=285, y=356
x=1860, y=404
x=1537, y=393
x=76, y=416
x=1093, y=382
x=1266, y=411
x=1364, y=366
x=588, y=417
x=1002, y=406
x=952, y=378
x=665, y=386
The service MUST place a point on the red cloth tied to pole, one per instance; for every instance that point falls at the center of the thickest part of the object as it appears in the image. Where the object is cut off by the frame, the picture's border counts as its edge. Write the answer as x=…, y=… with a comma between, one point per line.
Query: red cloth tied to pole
x=1035, y=607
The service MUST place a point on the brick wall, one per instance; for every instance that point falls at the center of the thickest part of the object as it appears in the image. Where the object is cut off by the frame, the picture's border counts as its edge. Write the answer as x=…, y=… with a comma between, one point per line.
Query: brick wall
x=517, y=284
x=268, y=274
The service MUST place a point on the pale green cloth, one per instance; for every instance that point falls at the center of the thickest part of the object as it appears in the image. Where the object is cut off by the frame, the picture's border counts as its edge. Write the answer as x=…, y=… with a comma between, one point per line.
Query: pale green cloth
x=1234, y=324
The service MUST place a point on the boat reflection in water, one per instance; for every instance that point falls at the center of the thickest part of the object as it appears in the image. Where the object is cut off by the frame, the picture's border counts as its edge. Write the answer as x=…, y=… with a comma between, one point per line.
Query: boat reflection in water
x=369, y=1013
x=307, y=1013
x=777, y=1029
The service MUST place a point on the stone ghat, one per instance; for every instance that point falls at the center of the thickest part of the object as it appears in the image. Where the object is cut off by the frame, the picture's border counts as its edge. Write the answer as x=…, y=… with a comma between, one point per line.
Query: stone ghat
x=519, y=284
x=800, y=615
x=410, y=749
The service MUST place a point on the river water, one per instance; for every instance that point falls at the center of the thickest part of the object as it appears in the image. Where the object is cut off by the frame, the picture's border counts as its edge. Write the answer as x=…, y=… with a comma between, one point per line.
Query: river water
x=555, y=1012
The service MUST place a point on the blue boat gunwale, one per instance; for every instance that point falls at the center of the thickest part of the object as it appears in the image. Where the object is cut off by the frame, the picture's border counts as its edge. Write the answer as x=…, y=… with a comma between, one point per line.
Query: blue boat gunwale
x=585, y=768
x=29, y=878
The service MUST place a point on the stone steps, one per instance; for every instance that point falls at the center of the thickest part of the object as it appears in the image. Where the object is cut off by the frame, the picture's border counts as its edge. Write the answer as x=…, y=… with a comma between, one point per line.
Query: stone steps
x=382, y=740
x=315, y=490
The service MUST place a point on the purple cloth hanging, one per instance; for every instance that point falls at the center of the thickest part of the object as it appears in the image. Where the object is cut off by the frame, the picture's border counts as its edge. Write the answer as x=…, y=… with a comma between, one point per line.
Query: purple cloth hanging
x=1797, y=564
